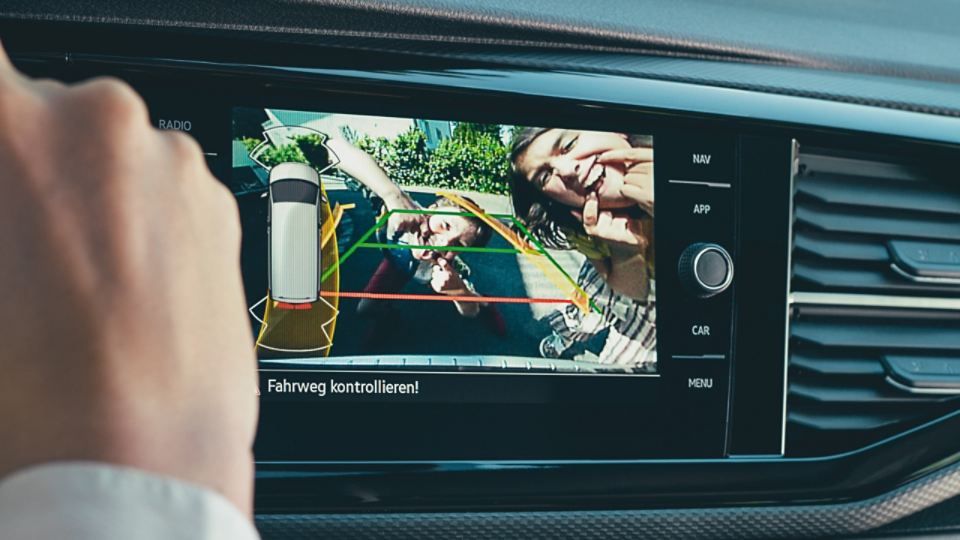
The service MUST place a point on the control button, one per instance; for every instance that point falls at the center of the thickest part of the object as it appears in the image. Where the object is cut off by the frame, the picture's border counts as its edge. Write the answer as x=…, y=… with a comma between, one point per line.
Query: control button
x=700, y=330
x=190, y=122
x=705, y=207
x=699, y=379
x=700, y=383
x=696, y=215
x=206, y=122
x=203, y=123
x=697, y=162
x=706, y=270
x=700, y=334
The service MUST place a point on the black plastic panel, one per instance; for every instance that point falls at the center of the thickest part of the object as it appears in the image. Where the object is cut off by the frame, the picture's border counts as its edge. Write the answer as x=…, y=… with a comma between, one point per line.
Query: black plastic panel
x=759, y=371
x=548, y=481
x=868, y=66
x=804, y=521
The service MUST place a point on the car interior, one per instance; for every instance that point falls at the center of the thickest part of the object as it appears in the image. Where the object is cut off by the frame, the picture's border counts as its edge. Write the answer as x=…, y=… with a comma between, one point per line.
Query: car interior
x=599, y=270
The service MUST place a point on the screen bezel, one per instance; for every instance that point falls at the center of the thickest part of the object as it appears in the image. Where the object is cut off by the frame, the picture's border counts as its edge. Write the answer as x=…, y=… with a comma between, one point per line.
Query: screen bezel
x=532, y=412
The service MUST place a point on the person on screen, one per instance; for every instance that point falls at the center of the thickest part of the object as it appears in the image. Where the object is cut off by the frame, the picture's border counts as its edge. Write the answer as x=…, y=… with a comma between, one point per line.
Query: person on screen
x=440, y=269
x=437, y=268
x=592, y=192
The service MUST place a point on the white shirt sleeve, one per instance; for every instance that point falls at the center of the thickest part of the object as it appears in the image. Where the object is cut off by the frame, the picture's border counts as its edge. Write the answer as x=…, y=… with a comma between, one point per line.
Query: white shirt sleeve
x=96, y=501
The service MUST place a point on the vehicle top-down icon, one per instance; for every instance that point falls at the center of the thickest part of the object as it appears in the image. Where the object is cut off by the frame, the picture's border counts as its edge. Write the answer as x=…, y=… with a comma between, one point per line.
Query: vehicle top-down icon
x=293, y=228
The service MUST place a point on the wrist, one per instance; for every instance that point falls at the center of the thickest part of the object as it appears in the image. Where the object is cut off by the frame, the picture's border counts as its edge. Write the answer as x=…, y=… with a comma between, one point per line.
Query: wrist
x=460, y=291
x=395, y=198
x=621, y=251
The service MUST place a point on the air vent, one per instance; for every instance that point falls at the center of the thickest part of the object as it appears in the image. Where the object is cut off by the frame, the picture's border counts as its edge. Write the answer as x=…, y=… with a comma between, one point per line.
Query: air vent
x=858, y=375
x=878, y=242
x=875, y=227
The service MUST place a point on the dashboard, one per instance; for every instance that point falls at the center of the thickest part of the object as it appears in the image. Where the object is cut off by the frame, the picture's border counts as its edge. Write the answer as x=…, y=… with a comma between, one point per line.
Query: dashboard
x=511, y=275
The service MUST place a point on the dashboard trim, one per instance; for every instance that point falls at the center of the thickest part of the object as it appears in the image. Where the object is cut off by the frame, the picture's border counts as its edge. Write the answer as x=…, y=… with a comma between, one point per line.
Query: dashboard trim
x=667, y=96
x=752, y=496
x=761, y=484
x=874, y=300
x=828, y=520
x=794, y=170
x=756, y=482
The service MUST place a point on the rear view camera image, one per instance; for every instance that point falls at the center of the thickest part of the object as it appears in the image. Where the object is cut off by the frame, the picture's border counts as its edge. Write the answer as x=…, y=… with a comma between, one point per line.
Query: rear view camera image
x=381, y=243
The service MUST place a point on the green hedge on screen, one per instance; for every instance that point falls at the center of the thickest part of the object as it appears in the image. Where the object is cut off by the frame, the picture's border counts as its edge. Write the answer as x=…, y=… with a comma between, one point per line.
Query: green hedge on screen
x=307, y=149
x=474, y=158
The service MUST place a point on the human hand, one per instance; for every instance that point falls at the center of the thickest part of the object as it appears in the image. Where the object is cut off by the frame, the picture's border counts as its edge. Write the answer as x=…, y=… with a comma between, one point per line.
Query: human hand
x=610, y=225
x=362, y=167
x=404, y=220
x=445, y=280
x=125, y=338
x=638, y=180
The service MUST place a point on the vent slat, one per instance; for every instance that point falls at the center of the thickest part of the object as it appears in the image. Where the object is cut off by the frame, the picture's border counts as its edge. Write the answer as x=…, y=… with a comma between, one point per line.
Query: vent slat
x=832, y=423
x=859, y=220
x=874, y=193
x=837, y=366
x=839, y=276
x=882, y=335
x=839, y=247
x=810, y=161
x=865, y=398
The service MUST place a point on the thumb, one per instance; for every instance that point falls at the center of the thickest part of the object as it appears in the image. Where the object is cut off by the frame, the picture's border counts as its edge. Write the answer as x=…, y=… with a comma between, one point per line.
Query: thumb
x=6, y=66
x=5, y=63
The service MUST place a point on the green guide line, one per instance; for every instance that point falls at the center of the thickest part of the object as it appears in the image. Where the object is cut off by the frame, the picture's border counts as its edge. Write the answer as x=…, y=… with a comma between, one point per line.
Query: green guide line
x=354, y=247
x=467, y=249
x=362, y=243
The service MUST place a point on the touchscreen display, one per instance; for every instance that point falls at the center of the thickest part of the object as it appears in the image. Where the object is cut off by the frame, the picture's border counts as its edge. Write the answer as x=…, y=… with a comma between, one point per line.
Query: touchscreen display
x=415, y=244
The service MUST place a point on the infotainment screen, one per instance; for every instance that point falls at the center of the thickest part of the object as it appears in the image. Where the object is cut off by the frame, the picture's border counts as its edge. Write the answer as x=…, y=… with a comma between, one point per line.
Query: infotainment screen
x=425, y=285
x=419, y=245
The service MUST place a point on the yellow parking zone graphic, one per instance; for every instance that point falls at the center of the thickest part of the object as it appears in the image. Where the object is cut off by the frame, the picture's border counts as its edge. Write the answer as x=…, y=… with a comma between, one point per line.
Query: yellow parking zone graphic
x=286, y=332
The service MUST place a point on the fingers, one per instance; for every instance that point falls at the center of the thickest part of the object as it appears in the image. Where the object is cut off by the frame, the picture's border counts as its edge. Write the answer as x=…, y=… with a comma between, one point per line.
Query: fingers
x=442, y=276
x=405, y=223
x=627, y=155
x=641, y=169
x=615, y=227
x=638, y=184
x=441, y=269
x=636, y=193
x=9, y=73
x=605, y=222
x=439, y=279
x=591, y=209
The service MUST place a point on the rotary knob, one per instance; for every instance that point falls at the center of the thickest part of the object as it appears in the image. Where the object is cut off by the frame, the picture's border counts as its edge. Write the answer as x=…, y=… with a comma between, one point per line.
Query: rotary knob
x=705, y=269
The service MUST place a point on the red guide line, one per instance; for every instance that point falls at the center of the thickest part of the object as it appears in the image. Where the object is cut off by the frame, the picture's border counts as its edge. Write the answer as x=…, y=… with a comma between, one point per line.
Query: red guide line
x=445, y=298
